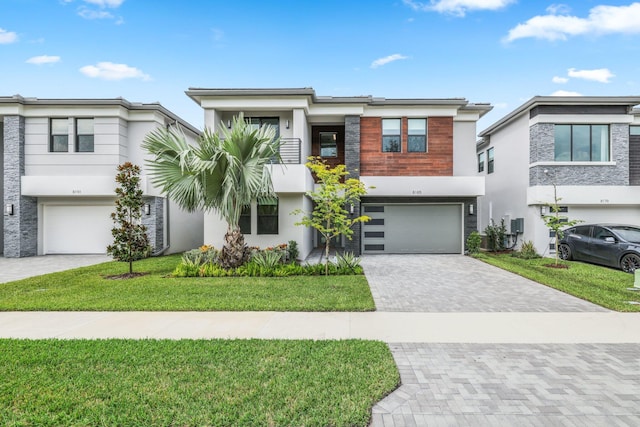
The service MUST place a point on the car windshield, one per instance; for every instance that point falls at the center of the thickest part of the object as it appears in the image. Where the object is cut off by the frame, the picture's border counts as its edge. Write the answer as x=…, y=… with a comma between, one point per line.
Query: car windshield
x=630, y=234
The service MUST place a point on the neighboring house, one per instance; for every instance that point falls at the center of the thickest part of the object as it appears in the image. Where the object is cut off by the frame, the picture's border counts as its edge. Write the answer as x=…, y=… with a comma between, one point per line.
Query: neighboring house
x=417, y=153
x=60, y=160
x=589, y=147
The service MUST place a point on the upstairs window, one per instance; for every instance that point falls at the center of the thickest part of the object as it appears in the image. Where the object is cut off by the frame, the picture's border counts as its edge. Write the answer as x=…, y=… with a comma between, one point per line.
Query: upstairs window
x=581, y=143
x=417, y=135
x=634, y=130
x=59, y=138
x=268, y=216
x=84, y=135
x=481, y=162
x=328, y=144
x=490, y=160
x=390, y=135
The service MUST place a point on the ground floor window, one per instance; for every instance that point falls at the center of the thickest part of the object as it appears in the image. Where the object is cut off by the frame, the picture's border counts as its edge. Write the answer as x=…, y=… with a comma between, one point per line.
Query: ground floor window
x=268, y=216
x=245, y=220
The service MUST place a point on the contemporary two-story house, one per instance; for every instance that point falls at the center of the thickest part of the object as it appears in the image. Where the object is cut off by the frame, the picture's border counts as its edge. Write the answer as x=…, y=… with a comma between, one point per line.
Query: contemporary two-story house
x=58, y=175
x=588, y=147
x=416, y=156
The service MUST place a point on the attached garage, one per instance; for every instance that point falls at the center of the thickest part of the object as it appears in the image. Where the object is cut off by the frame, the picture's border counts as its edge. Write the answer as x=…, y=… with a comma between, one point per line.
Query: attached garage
x=76, y=229
x=413, y=228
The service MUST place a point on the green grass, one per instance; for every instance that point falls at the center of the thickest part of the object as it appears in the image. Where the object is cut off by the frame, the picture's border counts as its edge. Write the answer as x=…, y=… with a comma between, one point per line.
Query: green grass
x=192, y=382
x=86, y=289
x=601, y=285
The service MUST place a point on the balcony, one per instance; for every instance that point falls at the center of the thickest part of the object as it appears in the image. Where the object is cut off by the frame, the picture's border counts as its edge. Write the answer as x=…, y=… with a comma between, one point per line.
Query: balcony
x=290, y=151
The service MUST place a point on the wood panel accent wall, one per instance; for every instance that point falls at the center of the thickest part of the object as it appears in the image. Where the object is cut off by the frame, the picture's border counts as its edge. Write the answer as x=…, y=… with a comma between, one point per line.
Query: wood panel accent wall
x=437, y=161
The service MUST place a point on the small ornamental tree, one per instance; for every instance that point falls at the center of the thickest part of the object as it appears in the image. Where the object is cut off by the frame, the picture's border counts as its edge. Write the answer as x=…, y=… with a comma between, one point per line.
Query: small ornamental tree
x=331, y=200
x=130, y=241
x=557, y=222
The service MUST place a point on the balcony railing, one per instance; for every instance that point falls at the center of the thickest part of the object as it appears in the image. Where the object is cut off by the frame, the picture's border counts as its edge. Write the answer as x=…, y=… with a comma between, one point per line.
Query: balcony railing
x=290, y=151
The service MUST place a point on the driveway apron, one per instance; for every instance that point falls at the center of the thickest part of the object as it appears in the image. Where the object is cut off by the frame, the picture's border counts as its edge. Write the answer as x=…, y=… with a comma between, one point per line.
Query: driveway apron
x=456, y=283
x=470, y=384
x=20, y=268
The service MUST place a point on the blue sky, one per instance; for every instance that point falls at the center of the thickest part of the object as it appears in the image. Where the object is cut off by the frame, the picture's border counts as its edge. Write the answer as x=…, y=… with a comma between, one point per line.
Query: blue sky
x=497, y=51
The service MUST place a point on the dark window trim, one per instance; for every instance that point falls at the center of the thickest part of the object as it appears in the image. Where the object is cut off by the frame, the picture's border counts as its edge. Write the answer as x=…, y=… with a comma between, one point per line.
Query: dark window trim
x=490, y=160
x=426, y=131
x=245, y=213
x=481, y=160
x=78, y=134
x=571, y=125
x=51, y=135
x=276, y=216
x=399, y=135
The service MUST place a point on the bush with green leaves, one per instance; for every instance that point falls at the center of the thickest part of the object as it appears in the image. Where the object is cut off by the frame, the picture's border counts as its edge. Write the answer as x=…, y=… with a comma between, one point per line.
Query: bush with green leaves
x=253, y=269
x=496, y=236
x=347, y=260
x=527, y=251
x=267, y=259
x=473, y=243
x=293, y=250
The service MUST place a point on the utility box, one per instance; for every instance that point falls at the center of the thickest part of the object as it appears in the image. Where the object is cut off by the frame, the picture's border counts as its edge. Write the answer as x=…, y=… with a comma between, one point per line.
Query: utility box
x=517, y=226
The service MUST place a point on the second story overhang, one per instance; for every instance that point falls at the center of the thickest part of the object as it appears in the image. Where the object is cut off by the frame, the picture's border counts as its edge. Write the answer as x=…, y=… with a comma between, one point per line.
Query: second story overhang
x=425, y=186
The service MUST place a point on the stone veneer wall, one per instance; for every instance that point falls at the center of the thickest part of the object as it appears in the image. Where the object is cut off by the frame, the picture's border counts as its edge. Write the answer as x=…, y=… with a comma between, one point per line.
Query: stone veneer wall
x=21, y=228
x=352, y=162
x=155, y=222
x=542, y=141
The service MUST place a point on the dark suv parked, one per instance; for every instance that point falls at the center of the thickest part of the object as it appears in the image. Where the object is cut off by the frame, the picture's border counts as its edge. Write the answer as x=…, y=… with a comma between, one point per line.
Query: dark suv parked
x=613, y=245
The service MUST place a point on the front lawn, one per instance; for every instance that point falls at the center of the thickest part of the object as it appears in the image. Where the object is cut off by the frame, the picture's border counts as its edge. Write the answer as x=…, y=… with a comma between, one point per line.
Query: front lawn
x=86, y=289
x=192, y=382
x=601, y=285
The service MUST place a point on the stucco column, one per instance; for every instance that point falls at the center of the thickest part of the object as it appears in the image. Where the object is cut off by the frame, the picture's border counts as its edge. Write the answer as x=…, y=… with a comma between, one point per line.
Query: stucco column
x=21, y=228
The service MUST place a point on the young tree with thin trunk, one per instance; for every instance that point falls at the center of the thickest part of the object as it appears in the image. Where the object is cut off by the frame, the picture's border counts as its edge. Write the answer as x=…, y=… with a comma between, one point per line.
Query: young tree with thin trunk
x=557, y=222
x=331, y=202
x=130, y=241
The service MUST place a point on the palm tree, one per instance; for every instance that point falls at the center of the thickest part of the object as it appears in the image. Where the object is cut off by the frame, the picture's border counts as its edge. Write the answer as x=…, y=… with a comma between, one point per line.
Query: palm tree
x=220, y=173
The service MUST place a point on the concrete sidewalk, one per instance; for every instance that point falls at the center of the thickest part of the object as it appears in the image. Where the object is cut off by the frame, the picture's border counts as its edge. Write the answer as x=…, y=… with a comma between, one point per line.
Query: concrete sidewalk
x=391, y=327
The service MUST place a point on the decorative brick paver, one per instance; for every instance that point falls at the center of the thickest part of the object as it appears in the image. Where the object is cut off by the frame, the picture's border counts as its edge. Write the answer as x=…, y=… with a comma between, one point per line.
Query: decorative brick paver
x=457, y=283
x=514, y=385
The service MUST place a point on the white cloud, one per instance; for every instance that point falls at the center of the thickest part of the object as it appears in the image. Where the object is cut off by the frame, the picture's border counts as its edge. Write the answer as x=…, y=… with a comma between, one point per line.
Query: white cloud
x=111, y=71
x=601, y=75
x=7, y=37
x=565, y=93
x=43, y=59
x=558, y=25
x=87, y=13
x=457, y=7
x=382, y=61
x=555, y=9
x=106, y=3
x=559, y=80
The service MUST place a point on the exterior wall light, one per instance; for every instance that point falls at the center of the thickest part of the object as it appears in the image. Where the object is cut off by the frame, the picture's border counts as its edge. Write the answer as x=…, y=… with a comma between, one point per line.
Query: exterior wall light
x=228, y=124
x=471, y=212
x=543, y=210
x=8, y=208
x=286, y=124
x=147, y=209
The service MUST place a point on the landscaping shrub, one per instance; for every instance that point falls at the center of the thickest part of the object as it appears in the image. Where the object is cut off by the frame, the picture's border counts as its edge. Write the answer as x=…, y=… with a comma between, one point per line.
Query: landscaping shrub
x=496, y=236
x=269, y=262
x=527, y=251
x=293, y=250
x=473, y=243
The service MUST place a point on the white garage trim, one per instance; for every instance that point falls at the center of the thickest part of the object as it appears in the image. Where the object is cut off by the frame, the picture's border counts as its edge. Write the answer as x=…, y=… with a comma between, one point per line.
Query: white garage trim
x=75, y=227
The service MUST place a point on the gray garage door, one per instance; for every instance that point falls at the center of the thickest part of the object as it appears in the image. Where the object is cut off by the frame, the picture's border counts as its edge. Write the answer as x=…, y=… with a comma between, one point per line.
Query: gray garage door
x=415, y=229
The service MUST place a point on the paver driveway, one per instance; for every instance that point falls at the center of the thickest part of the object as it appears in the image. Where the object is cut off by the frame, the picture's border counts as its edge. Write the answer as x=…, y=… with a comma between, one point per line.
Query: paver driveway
x=466, y=384
x=456, y=283
x=21, y=268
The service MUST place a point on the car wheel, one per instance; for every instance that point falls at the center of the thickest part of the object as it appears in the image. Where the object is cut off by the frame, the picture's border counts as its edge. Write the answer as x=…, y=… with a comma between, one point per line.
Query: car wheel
x=629, y=263
x=565, y=252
